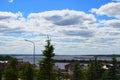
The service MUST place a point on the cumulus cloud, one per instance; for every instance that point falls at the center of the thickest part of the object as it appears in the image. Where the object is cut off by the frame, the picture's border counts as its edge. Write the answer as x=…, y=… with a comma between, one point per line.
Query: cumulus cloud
x=9, y=22
x=81, y=33
x=9, y=30
x=65, y=17
x=55, y=22
x=110, y=9
x=111, y=23
x=9, y=15
x=77, y=27
x=68, y=21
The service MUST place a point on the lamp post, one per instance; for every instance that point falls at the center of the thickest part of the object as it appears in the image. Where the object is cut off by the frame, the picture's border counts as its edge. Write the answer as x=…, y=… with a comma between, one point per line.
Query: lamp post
x=33, y=50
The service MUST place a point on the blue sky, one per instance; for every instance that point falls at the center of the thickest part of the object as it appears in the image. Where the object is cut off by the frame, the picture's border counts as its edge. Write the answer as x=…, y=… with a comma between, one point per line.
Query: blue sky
x=27, y=7
x=76, y=27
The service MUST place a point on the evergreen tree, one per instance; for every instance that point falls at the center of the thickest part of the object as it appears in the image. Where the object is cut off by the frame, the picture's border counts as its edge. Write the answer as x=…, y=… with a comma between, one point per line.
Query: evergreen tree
x=11, y=71
x=94, y=71
x=46, y=64
x=77, y=73
x=112, y=72
x=105, y=75
x=0, y=74
x=27, y=72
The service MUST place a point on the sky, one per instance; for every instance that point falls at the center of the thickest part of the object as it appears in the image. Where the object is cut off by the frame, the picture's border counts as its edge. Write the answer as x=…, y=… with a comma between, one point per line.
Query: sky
x=76, y=27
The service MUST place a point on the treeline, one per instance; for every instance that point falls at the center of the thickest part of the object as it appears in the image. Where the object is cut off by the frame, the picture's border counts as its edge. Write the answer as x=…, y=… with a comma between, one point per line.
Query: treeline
x=96, y=71
x=5, y=57
x=12, y=72
x=84, y=61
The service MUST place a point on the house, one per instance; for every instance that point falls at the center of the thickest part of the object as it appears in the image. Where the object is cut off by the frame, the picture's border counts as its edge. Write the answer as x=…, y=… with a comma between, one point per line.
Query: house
x=70, y=67
x=3, y=64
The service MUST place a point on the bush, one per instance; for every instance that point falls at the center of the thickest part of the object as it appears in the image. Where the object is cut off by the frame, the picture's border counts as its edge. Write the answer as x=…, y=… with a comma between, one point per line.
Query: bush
x=27, y=72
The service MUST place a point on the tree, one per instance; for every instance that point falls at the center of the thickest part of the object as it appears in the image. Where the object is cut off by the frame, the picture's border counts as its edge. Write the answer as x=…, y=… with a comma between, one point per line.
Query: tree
x=0, y=74
x=27, y=72
x=46, y=64
x=11, y=71
x=94, y=71
x=5, y=57
x=59, y=75
x=105, y=75
x=77, y=73
x=112, y=72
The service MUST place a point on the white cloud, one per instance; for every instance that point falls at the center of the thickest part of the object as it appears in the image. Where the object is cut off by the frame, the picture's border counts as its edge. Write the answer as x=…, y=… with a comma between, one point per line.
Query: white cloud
x=9, y=15
x=73, y=30
x=55, y=22
x=115, y=23
x=110, y=9
x=11, y=1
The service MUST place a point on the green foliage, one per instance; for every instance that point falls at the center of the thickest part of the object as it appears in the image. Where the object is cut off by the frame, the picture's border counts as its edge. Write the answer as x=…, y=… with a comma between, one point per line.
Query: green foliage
x=112, y=72
x=0, y=74
x=5, y=58
x=59, y=75
x=49, y=49
x=77, y=72
x=27, y=72
x=11, y=71
x=94, y=71
x=65, y=76
x=46, y=69
x=105, y=75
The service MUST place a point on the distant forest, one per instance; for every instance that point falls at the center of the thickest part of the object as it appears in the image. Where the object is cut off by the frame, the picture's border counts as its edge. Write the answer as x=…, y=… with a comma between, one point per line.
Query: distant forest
x=5, y=57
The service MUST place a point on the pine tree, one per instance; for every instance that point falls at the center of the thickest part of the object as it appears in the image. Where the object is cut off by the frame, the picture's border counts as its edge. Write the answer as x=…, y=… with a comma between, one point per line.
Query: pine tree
x=46, y=64
x=105, y=75
x=27, y=72
x=0, y=74
x=112, y=72
x=94, y=71
x=11, y=70
x=77, y=73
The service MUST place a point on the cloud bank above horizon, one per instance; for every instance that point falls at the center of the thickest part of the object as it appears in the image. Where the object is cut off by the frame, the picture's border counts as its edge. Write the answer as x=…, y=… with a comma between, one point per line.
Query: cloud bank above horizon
x=72, y=31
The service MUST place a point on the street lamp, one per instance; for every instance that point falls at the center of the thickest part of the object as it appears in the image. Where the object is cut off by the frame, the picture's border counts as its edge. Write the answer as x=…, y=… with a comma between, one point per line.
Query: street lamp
x=33, y=50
